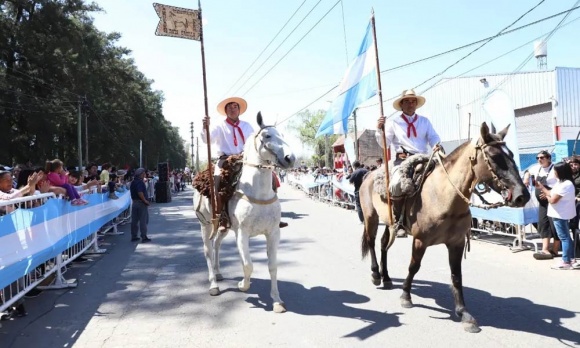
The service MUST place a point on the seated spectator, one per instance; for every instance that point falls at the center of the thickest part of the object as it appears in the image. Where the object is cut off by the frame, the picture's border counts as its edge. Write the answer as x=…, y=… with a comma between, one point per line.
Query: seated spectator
x=75, y=179
x=57, y=177
x=43, y=182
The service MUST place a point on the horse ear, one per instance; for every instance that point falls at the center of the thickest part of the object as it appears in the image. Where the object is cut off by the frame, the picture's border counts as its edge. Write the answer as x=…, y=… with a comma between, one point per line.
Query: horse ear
x=504, y=131
x=484, y=131
x=492, y=130
x=260, y=120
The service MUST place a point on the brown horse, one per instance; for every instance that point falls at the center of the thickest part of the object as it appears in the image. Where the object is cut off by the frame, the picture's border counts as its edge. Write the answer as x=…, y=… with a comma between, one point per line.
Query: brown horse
x=439, y=212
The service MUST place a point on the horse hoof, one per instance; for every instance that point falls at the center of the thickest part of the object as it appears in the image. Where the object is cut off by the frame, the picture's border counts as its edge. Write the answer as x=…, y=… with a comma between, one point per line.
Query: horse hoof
x=388, y=285
x=471, y=327
x=376, y=281
x=219, y=277
x=279, y=307
x=242, y=287
x=406, y=303
x=214, y=291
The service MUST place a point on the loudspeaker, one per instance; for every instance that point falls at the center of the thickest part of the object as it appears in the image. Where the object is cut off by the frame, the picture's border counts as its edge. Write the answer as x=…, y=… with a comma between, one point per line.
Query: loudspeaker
x=162, y=192
x=163, y=170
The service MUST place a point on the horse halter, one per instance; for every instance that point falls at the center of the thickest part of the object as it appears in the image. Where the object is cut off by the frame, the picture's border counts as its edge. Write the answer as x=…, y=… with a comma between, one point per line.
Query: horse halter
x=260, y=165
x=473, y=161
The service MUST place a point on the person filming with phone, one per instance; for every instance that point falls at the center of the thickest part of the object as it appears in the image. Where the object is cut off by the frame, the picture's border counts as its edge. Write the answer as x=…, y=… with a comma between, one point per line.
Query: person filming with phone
x=543, y=173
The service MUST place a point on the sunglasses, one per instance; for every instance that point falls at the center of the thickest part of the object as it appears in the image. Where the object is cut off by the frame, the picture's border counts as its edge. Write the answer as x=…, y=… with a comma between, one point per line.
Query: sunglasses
x=540, y=157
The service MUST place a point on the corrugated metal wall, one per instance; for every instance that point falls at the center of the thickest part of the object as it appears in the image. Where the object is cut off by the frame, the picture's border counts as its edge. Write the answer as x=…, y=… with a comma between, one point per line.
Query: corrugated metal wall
x=534, y=125
x=568, y=97
x=451, y=101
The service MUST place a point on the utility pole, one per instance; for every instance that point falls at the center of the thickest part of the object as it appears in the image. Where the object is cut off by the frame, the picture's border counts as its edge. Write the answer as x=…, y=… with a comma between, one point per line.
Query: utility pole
x=191, y=128
x=196, y=155
x=85, y=104
x=79, y=135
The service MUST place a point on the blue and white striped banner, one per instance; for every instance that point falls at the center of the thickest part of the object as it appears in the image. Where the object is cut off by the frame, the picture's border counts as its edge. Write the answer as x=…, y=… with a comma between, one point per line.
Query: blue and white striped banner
x=29, y=237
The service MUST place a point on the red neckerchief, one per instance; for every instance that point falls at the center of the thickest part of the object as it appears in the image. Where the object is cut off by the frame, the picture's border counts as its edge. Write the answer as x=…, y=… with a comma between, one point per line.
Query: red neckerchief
x=235, y=125
x=410, y=125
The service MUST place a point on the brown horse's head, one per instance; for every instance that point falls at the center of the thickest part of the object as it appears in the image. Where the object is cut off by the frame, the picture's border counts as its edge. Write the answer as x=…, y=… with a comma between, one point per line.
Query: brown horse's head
x=495, y=166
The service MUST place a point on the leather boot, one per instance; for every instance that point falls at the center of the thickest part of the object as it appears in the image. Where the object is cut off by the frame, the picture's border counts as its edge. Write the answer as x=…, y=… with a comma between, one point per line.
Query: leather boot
x=399, y=220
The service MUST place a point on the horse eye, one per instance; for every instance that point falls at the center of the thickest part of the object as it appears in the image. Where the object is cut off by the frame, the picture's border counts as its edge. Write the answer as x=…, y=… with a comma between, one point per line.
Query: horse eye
x=268, y=136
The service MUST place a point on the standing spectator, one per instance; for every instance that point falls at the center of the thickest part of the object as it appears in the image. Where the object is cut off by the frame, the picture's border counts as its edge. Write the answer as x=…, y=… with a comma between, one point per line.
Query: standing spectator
x=561, y=208
x=8, y=192
x=575, y=166
x=105, y=179
x=282, y=175
x=15, y=174
x=139, y=213
x=543, y=172
x=92, y=173
x=356, y=178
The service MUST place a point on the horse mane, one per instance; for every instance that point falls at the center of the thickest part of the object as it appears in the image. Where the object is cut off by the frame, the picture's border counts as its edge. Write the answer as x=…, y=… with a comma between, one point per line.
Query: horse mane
x=456, y=153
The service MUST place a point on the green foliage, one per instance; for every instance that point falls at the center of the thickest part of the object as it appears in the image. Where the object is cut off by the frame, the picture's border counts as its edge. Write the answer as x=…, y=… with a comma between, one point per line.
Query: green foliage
x=51, y=57
x=305, y=126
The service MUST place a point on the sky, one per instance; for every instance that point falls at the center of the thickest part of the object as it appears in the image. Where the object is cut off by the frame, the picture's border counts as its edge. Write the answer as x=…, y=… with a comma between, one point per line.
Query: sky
x=314, y=57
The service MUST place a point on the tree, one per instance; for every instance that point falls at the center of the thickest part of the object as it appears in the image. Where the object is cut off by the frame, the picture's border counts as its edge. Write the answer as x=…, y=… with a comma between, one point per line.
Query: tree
x=305, y=127
x=51, y=58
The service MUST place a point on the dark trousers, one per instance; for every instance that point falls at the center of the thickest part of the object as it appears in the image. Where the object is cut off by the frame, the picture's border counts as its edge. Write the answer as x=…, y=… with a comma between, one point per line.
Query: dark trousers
x=358, y=208
x=545, y=224
x=139, y=219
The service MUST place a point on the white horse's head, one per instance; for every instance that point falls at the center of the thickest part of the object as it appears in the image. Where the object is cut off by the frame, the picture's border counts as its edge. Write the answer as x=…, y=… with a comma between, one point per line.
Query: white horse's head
x=269, y=146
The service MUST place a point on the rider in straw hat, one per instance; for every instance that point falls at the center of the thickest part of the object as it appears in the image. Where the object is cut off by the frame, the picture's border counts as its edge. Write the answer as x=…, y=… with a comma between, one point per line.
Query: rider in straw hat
x=229, y=136
x=409, y=134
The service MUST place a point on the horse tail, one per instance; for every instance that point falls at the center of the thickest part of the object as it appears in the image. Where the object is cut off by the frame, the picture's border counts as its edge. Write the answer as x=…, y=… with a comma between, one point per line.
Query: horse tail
x=365, y=245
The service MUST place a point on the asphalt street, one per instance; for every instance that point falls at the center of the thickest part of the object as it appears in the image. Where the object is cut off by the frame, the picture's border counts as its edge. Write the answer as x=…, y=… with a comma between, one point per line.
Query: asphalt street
x=156, y=294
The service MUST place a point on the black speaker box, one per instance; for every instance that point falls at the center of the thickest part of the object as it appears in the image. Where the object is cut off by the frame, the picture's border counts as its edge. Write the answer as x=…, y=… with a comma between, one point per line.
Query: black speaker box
x=163, y=170
x=162, y=192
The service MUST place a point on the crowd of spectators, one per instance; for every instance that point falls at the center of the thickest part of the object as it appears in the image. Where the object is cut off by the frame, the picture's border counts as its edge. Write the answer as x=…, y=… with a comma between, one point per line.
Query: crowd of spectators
x=65, y=183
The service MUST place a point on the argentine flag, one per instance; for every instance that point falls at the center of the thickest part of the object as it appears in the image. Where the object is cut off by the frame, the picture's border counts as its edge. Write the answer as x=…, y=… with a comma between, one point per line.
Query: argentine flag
x=359, y=84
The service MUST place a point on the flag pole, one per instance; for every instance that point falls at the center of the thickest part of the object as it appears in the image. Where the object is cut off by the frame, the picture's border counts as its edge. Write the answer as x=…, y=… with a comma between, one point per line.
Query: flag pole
x=380, y=93
x=208, y=141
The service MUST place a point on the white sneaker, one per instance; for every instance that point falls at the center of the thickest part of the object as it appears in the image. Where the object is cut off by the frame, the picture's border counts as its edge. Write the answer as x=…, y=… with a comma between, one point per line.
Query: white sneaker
x=562, y=266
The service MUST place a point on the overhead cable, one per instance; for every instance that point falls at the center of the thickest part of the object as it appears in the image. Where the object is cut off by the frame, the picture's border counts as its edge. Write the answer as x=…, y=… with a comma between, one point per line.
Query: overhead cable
x=291, y=48
x=275, y=50
x=265, y=48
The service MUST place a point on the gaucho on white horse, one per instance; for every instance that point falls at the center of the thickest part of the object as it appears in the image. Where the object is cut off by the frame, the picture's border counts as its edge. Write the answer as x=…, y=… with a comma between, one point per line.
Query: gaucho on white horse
x=254, y=208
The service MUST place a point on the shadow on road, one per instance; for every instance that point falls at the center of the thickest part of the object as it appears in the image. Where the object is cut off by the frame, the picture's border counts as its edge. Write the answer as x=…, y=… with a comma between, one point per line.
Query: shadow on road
x=321, y=301
x=512, y=313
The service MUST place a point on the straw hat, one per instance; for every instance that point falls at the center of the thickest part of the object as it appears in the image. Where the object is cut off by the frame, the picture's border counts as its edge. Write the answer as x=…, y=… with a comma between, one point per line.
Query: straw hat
x=221, y=108
x=409, y=93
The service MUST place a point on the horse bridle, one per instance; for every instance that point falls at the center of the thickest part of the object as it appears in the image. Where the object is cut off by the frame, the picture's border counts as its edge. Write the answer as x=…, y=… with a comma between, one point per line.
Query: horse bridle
x=473, y=160
x=260, y=165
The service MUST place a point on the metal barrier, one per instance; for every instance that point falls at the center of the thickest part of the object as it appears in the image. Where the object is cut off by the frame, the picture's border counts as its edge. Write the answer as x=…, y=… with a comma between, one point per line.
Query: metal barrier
x=522, y=235
x=56, y=266
x=321, y=189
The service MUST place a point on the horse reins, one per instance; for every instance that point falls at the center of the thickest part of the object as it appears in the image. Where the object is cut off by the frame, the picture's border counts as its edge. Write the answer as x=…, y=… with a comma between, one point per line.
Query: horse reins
x=473, y=160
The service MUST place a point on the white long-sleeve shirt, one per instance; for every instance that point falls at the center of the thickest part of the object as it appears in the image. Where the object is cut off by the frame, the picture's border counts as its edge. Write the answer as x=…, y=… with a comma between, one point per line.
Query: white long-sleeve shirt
x=396, y=135
x=222, y=135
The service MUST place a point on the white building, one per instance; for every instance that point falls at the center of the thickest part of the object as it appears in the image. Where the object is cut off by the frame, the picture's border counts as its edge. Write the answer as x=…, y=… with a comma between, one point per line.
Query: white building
x=546, y=105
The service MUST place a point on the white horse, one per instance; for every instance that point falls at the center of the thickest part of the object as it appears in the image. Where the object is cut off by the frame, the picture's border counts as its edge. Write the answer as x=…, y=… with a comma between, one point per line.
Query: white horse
x=254, y=209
